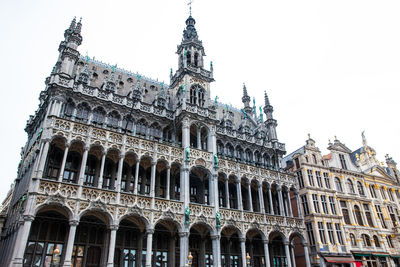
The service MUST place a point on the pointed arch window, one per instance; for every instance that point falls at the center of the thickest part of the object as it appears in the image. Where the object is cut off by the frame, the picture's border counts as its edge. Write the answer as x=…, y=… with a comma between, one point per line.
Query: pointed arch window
x=201, y=97
x=350, y=186
x=69, y=108
x=113, y=119
x=98, y=116
x=82, y=112
x=338, y=185
x=360, y=189
x=353, y=240
x=193, y=95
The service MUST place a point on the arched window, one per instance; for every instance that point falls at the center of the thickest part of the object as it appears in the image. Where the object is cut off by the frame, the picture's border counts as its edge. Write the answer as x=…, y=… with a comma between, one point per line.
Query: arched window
x=230, y=150
x=249, y=155
x=82, y=112
x=389, y=241
x=113, y=119
x=314, y=159
x=306, y=157
x=193, y=95
x=357, y=212
x=376, y=241
x=338, y=185
x=141, y=127
x=239, y=153
x=98, y=115
x=196, y=59
x=353, y=240
x=127, y=123
x=155, y=131
x=350, y=186
x=220, y=147
x=366, y=240
x=201, y=97
x=71, y=169
x=360, y=189
x=372, y=191
x=69, y=108
x=188, y=58
x=383, y=193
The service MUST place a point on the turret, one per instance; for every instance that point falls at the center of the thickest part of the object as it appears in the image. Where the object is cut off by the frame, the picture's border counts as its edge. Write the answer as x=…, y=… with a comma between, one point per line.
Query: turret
x=270, y=123
x=69, y=54
x=246, y=101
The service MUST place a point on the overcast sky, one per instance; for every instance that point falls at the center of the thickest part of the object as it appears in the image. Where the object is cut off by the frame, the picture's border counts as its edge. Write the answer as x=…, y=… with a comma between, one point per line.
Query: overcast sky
x=329, y=67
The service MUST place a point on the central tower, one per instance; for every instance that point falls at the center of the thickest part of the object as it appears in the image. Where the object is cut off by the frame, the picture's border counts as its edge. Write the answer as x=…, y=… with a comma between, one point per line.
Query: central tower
x=191, y=82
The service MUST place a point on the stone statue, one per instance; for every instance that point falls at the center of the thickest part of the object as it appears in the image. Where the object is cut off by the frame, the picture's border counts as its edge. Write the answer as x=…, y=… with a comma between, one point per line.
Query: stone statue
x=218, y=219
x=187, y=153
x=21, y=203
x=187, y=216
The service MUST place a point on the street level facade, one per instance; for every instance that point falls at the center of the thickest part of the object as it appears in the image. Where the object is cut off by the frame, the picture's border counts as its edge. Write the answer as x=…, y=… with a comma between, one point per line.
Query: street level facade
x=122, y=170
x=350, y=202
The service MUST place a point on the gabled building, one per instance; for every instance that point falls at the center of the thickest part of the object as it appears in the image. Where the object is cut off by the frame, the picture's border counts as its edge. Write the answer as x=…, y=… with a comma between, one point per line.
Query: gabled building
x=350, y=202
x=122, y=170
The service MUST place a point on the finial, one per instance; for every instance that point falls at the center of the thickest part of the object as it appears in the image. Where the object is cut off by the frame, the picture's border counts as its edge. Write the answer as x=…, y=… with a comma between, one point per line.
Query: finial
x=329, y=141
x=211, y=66
x=113, y=68
x=309, y=136
x=244, y=113
x=87, y=58
x=79, y=26
x=190, y=7
x=266, y=100
x=72, y=25
x=244, y=90
x=138, y=77
x=261, y=114
x=335, y=138
x=216, y=100
x=364, y=140
x=162, y=86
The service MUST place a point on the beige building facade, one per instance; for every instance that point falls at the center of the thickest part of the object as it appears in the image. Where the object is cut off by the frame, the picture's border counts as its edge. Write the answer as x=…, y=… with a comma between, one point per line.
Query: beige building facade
x=350, y=202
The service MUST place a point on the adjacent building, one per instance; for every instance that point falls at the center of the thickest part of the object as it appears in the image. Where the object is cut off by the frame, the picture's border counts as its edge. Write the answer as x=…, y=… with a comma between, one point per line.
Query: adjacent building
x=122, y=170
x=350, y=203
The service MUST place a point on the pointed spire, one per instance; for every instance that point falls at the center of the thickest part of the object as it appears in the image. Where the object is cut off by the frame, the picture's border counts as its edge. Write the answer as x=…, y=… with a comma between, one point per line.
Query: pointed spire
x=72, y=25
x=266, y=100
x=79, y=26
x=244, y=90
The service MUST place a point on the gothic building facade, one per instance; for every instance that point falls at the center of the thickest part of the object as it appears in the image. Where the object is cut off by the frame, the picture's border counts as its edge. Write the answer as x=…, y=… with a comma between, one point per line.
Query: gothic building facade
x=350, y=202
x=122, y=170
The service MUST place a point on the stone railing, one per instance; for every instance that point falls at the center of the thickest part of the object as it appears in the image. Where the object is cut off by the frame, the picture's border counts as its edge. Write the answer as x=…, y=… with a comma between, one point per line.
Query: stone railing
x=107, y=138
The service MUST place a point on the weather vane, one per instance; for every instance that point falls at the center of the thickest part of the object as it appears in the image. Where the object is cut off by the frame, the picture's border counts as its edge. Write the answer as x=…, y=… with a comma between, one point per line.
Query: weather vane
x=190, y=6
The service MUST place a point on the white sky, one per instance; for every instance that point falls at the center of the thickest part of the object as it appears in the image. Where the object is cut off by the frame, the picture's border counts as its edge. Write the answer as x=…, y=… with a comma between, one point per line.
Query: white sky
x=329, y=67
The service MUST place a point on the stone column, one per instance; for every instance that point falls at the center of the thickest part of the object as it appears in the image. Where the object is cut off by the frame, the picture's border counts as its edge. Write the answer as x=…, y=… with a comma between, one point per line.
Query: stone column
x=292, y=257
x=119, y=172
x=266, y=253
x=243, y=250
x=22, y=238
x=216, y=250
x=282, y=210
x=135, y=190
x=168, y=182
x=70, y=243
x=306, y=254
x=185, y=132
x=227, y=192
x=261, y=199
x=296, y=192
x=43, y=157
x=184, y=247
x=83, y=165
x=103, y=160
x=351, y=213
x=111, y=247
x=150, y=233
x=198, y=138
x=239, y=192
x=64, y=160
x=271, y=204
x=290, y=212
x=286, y=243
x=250, y=200
x=153, y=178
